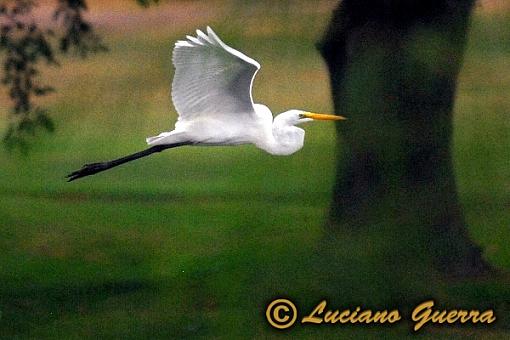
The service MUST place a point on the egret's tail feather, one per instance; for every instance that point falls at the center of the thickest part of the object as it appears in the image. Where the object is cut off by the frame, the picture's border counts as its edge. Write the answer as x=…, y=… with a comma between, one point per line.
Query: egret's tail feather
x=165, y=138
x=151, y=140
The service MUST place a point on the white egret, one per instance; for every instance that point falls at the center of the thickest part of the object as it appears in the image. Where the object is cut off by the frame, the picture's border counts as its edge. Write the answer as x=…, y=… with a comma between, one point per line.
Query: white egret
x=211, y=92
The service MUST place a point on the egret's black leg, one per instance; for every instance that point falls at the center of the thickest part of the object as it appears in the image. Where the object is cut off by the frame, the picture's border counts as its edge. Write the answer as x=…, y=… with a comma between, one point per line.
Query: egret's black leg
x=94, y=168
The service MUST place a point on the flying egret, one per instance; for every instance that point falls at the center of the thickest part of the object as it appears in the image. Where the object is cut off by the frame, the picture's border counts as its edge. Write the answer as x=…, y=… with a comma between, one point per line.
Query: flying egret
x=211, y=92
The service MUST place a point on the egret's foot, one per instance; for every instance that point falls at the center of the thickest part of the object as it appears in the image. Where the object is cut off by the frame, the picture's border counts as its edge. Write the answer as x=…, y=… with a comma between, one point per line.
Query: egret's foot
x=87, y=170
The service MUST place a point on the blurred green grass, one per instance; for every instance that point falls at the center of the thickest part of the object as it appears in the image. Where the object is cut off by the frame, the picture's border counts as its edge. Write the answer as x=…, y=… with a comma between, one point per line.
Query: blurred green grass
x=195, y=242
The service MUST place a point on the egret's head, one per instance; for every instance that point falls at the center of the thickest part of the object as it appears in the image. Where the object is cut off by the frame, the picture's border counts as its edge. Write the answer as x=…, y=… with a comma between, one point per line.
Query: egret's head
x=295, y=117
x=287, y=138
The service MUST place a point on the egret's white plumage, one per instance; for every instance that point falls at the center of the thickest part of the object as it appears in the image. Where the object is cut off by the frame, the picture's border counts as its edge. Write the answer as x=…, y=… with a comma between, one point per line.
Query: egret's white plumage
x=212, y=93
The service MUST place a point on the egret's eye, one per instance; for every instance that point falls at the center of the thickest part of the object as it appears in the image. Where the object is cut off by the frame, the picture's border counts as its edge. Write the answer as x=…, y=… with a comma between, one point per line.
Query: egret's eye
x=301, y=116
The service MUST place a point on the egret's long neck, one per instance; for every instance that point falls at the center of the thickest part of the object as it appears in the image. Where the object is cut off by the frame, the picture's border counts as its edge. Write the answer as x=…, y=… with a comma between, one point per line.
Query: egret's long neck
x=269, y=142
x=281, y=138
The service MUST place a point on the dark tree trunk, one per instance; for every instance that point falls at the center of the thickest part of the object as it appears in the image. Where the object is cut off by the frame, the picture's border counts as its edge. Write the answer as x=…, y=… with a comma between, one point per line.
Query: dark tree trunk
x=394, y=67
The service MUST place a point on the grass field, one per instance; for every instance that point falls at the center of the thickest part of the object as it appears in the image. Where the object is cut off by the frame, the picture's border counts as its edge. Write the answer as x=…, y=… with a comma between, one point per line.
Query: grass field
x=196, y=241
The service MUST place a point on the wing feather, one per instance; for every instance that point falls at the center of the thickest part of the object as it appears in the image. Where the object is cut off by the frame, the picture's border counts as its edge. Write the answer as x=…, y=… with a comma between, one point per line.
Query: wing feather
x=211, y=77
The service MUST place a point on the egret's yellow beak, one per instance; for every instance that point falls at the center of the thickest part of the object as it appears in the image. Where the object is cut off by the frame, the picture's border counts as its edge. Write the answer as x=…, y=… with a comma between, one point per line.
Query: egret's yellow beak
x=320, y=116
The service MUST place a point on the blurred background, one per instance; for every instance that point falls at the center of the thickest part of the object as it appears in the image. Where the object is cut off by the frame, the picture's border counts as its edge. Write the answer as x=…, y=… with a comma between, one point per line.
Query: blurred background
x=196, y=241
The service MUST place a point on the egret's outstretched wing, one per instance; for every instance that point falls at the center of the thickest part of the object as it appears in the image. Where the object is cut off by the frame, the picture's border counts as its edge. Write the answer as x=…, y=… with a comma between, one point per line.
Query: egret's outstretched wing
x=211, y=77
